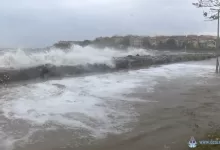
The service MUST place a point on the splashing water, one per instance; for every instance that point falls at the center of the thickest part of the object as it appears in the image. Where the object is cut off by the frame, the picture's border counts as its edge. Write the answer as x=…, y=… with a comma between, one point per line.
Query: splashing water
x=75, y=56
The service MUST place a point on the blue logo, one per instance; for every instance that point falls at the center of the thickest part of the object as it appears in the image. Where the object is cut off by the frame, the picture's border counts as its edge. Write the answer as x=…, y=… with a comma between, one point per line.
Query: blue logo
x=192, y=142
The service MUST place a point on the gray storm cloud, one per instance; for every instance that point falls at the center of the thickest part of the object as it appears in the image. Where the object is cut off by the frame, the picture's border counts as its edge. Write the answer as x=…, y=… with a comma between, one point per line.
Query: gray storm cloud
x=39, y=23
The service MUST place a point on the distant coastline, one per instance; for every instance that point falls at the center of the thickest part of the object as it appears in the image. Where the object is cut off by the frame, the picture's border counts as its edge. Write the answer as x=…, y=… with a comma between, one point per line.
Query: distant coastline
x=178, y=42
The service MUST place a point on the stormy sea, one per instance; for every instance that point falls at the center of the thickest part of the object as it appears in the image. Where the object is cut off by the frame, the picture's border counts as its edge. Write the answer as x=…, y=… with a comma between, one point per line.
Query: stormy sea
x=88, y=98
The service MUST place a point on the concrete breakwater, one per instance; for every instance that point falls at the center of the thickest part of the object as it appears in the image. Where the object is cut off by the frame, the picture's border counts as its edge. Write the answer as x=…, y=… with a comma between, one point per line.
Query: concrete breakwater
x=130, y=62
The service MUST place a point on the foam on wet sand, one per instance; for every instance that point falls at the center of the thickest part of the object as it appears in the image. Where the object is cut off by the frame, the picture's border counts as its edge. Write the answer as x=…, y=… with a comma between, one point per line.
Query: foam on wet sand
x=98, y=104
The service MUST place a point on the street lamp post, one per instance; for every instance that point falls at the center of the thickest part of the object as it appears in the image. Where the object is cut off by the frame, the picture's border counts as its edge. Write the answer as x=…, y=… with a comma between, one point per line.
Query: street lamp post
x=217, y=70
x=217, y=47
x=186, y=43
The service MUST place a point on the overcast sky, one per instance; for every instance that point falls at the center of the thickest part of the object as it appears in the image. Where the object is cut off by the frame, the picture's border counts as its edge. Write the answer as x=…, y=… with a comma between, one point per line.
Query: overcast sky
x=40, y=23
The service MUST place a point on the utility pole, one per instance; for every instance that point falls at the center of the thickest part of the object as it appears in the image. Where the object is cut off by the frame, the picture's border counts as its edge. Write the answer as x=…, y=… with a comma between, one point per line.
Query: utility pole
x=217, y=63
x=217, y=47
x=186, y=42
x=217, y=70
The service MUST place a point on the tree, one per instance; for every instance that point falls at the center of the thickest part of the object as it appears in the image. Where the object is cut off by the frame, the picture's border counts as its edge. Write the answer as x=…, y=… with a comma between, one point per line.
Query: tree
x=161, y=45
x=85, y=43
x=146, y=43
x=125, y=41
x=63, y=45
x=171, y=43
x=211, y=6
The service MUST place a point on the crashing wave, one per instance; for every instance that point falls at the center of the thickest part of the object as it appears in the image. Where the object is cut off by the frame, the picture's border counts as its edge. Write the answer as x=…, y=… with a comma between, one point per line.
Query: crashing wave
x=130, y=62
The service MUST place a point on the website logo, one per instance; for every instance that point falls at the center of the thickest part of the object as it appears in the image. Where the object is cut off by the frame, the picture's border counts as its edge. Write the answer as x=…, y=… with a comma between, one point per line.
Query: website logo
x=192, y=143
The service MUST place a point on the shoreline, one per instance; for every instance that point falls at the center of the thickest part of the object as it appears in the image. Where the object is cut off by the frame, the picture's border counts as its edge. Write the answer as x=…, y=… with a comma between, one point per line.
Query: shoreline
x=173, y=115
x=170, y=124
x=49, y=71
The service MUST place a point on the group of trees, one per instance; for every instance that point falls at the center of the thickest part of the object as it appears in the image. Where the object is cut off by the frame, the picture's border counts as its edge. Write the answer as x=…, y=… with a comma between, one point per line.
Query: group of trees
x=63, y=45
x=111, y=43
x=169, y=44
x=104, y=42
x=211, y=8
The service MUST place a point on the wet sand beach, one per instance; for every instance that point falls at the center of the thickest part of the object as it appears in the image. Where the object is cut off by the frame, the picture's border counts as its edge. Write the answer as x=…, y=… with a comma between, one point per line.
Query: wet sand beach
x=179, y=106
x=179, y=114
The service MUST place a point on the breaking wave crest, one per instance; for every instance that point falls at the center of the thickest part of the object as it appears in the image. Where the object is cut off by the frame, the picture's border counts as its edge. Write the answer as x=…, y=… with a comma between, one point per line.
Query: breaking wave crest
x=20, y=59
x=21, y=65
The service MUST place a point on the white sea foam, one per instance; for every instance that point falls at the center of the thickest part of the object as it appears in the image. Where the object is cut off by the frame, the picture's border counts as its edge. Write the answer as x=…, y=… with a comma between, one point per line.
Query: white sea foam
x=95, y=103
x=6, y=142
x=75, y=56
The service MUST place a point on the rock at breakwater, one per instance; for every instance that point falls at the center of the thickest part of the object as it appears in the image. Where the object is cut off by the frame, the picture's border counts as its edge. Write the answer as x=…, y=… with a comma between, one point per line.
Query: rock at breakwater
x=142, y=61
x=129, y=62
